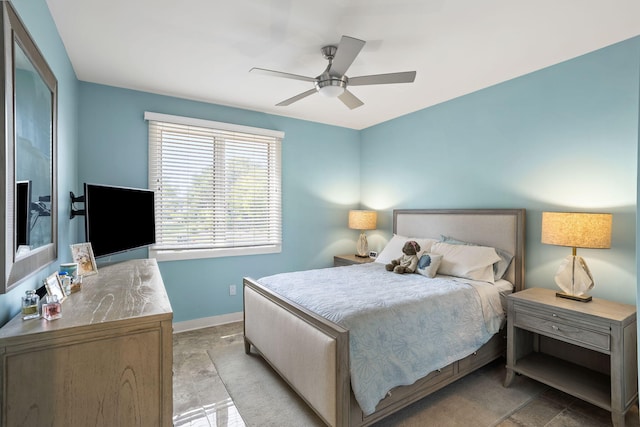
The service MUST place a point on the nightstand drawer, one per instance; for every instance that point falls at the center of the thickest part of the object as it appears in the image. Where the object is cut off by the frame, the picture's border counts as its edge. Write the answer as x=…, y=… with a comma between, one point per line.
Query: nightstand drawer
x=343, y=260
x=562, y=330
x=339, y=262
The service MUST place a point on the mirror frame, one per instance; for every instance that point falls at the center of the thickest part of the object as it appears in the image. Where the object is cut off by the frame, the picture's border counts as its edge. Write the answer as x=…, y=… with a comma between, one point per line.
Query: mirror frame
x=15, y=269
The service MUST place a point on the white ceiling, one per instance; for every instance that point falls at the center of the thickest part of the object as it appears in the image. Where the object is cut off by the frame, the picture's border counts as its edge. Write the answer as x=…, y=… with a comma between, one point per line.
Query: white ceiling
x=203, y=49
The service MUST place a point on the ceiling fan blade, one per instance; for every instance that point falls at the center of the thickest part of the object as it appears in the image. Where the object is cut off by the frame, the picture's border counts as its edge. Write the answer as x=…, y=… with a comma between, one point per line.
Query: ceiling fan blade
x=350, y=100
x=296, y=98
x=281, y=74
x=347, y=51
x=383, y=79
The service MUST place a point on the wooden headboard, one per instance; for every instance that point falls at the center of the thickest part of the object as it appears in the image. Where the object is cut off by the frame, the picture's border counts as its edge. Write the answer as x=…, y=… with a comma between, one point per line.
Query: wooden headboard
x=498, y=228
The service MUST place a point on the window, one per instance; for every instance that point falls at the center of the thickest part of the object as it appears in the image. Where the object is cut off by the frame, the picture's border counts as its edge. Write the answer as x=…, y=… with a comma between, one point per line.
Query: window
x=217, y=188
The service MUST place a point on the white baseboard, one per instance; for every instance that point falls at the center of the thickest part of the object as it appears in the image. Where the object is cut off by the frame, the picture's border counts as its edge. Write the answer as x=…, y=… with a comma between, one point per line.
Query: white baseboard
x=206, y=322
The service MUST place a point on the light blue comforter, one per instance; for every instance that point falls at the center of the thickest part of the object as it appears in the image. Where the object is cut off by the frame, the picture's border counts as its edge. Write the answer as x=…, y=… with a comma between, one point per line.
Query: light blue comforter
x=401, y=327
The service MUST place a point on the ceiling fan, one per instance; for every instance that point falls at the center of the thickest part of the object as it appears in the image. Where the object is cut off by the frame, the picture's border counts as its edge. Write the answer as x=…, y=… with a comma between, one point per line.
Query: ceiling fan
x=333, y=81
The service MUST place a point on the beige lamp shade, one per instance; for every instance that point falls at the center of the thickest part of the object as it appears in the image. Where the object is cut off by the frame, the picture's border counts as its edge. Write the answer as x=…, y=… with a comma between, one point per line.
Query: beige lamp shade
x=577, y=230
x=362, y=220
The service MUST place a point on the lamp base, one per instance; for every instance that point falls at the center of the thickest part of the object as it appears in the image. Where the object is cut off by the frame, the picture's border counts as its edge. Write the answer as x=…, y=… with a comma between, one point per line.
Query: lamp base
x=574, y=279
x=581, y=298
x=362, y=247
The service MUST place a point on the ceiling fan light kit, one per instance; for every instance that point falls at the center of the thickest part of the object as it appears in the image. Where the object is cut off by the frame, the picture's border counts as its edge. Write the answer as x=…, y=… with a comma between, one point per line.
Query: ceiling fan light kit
x=333, y=81
x=331, y=87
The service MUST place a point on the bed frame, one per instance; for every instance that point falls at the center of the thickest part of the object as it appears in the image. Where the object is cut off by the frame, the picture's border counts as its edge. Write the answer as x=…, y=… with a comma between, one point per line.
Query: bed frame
x=312, y=354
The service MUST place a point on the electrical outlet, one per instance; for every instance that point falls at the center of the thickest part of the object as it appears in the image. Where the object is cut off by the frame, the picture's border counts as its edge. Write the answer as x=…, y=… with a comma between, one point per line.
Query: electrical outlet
x=232, y=290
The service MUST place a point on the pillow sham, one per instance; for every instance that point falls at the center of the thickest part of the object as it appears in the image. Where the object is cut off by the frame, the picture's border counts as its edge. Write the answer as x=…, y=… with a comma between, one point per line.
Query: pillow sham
x=428, y=264
x=466, y=261
x=499, y=268
x=393, y=249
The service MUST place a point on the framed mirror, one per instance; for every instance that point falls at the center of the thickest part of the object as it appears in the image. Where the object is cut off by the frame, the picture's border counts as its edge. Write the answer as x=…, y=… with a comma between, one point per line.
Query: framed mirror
x=29, y=153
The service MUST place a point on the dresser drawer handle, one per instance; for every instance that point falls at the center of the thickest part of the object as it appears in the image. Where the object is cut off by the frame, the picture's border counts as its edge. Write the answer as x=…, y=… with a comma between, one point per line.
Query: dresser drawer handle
x=554, y=315
x=555, y=328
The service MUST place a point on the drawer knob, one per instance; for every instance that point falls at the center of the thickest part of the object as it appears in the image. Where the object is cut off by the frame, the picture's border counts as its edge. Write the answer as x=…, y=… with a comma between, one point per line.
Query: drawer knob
x=555, y=328
x=554, y=315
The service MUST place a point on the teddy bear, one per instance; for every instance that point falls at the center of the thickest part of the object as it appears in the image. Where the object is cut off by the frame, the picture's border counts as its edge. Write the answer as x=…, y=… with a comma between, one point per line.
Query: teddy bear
x=408, y=262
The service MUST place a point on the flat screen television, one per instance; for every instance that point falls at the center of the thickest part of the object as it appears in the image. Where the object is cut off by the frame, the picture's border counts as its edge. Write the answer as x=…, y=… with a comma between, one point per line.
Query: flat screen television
x=23, y=213
x=118, y=219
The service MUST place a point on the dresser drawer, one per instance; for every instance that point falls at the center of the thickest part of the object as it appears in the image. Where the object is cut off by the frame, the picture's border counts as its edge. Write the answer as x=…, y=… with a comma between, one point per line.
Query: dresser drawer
x=562, y=329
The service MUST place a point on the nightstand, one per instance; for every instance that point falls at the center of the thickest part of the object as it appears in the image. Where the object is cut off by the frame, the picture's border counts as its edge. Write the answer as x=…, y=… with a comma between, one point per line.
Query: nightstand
x=587, y=350
x=341, y=260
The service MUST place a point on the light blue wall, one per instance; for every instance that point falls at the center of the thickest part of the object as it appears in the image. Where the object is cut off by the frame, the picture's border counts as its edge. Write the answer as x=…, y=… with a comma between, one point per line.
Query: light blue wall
x=320, y=183
x=36, y=17
x=563, y=138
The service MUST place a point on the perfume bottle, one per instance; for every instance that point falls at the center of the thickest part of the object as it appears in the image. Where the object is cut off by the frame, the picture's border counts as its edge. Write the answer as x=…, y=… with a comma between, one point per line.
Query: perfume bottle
x=51, y=307
x=66, y=283
x=30, y=303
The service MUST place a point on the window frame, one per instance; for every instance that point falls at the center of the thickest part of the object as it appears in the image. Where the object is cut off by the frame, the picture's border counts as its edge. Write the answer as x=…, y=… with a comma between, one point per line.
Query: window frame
x=165, y=254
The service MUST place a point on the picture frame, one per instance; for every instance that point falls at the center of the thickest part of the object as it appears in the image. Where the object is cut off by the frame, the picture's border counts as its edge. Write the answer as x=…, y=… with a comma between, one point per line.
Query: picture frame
x=82, y=254
x=54, y=286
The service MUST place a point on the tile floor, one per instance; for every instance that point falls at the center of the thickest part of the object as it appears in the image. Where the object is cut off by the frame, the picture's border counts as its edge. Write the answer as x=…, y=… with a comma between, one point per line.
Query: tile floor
x=200, y=398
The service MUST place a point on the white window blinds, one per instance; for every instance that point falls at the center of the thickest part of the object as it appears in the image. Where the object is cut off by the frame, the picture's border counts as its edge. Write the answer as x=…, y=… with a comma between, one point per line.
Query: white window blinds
x=217, y=188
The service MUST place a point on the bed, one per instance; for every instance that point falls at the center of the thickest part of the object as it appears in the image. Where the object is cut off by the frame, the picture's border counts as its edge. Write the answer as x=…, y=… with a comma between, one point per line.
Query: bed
x=314, y=354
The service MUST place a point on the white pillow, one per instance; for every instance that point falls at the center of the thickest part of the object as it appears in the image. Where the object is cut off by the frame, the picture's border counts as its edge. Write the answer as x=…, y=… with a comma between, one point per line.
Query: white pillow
x=393, y=249
x=499, y=268
x=469, y=262
x=428, y=264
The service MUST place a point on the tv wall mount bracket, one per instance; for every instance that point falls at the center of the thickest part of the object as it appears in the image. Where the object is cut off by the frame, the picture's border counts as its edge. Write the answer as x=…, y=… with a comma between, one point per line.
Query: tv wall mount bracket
x=73, y=211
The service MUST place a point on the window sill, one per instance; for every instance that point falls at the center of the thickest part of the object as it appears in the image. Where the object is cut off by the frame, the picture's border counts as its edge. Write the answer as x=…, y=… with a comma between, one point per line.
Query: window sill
x=187, y=254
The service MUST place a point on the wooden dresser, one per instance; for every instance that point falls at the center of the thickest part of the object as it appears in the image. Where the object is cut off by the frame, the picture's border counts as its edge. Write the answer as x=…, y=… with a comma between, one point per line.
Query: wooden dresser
x=106, y=362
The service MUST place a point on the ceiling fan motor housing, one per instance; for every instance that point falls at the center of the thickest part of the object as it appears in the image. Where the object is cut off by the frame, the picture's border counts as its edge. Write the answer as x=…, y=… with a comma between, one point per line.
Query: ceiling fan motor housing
x=331, y=86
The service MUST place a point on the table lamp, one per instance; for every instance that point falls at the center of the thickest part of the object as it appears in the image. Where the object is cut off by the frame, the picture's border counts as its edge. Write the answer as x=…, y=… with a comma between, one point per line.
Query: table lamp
x=362, y=220
x=576, y=230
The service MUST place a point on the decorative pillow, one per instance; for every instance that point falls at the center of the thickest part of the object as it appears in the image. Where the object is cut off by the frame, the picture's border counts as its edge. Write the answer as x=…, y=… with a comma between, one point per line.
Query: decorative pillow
x=428, y=264
x=393, y=249
x=466, y=261
x=499, y=268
